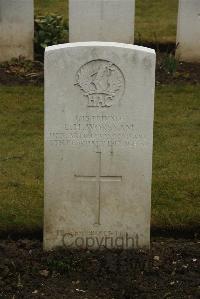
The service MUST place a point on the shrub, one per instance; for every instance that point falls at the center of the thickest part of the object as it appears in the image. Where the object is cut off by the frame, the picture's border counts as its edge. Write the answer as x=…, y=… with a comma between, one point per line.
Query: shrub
x=49, y=30
x=170, y=63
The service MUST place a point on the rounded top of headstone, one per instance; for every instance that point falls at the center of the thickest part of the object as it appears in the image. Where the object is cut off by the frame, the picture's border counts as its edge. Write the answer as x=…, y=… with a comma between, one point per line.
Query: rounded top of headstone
x=100, y=44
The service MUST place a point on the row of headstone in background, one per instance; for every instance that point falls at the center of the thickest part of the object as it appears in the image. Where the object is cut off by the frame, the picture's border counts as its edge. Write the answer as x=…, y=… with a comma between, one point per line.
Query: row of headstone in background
x=103, y=20
x=113, y=20
x=16, y=29
x=188, y=31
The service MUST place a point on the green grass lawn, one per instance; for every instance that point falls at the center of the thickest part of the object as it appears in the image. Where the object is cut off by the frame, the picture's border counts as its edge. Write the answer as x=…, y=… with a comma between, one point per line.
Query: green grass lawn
x=44, y=7
x=176, y=160
x=176, y=179
x=155, y=19
x=21, y=158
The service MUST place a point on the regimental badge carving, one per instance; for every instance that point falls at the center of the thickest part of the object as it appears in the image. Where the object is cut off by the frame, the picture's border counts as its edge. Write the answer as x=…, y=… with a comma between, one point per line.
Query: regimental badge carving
x=102, y=82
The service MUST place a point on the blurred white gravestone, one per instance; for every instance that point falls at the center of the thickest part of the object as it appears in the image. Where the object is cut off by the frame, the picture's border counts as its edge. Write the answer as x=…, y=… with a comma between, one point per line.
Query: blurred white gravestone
x=101, y=20
x=99, y=104
x=16, y=29
x=188, y=31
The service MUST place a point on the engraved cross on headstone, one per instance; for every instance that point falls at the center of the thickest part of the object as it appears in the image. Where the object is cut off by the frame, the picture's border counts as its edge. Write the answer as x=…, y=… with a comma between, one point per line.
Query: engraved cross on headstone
x=99, y=179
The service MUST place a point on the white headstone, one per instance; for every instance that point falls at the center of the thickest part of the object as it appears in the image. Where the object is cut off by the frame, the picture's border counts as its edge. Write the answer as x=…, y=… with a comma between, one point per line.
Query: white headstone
x=188, y=31
x=99, y=106
x=101, y=20
x=16, y=29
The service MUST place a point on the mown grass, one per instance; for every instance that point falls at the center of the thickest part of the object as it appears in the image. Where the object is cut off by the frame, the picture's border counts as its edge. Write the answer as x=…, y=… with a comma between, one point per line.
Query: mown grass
x=176, y=161
x=44, y=7
x=21, y=158
x=155, y=20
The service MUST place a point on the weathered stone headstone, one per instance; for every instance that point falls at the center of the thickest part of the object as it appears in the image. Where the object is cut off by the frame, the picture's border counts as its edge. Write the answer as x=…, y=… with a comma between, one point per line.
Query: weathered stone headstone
x=188, y=31
x=99, y=103
x=16, y=29
x=101, y=20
